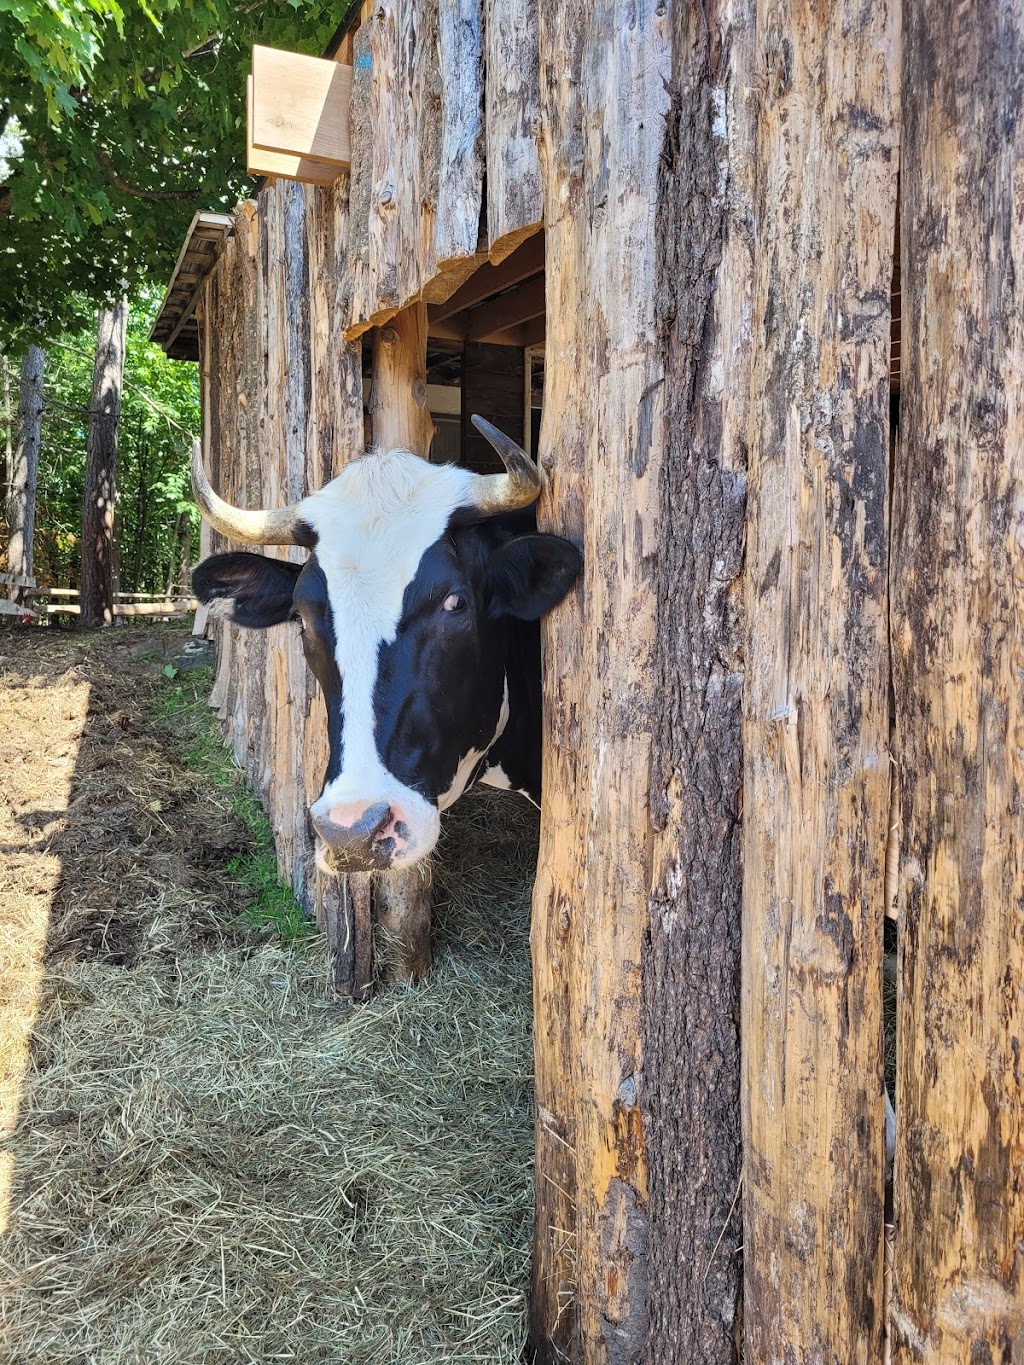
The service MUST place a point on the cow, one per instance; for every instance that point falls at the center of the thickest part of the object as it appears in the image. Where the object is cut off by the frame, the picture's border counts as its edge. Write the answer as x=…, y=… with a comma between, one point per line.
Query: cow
x=419, y=609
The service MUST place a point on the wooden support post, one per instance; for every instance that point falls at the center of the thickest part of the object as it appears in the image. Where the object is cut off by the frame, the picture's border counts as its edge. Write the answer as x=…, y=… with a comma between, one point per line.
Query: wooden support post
x=636, y=918
x=958, y=664
x=816, y=722
x=400, y=418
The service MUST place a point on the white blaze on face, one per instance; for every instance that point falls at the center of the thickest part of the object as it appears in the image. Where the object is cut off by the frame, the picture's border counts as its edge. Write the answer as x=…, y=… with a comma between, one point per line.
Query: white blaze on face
x=374, y=522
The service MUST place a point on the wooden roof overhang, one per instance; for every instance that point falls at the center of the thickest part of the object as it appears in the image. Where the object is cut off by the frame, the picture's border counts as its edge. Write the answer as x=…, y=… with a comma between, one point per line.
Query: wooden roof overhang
x=175, y=329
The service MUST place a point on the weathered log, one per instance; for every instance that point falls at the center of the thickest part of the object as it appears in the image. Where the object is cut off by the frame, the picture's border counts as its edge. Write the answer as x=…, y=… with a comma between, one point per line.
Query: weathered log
x=816, y=729
x=602, y=443
x=460, y=193
x=958, y=586
x=515, y=199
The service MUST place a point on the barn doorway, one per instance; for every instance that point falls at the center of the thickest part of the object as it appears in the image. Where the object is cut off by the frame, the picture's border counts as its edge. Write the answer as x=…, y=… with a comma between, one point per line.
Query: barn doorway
x=485, y=354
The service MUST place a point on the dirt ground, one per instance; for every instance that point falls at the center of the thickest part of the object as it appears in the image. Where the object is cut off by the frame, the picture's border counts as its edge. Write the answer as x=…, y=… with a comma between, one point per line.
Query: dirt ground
x=206, y=1156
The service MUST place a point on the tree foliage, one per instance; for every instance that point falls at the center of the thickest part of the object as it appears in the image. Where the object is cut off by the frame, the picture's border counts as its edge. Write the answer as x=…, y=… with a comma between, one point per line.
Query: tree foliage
x=159, y=418
x=128, y=119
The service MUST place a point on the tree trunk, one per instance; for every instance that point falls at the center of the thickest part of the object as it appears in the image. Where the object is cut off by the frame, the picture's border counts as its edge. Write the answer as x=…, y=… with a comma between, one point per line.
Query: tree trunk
x=958, y=588
x=97, y=581
x=21, y=497
x=401, y=418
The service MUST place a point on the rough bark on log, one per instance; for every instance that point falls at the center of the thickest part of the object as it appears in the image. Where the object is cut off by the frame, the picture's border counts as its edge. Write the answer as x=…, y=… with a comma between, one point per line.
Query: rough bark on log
x=958, y=654
x=401, y=419
x=690, y=1099
x=100, y=497
x=816, y=709
x=24, y=468
x=515, y=200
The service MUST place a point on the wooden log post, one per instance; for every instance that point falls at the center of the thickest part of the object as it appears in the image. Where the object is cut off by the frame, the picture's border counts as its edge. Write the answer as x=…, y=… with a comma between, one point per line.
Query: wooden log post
x=958, y=659
x=400, y=418
x=636, y=928
x=816, y=708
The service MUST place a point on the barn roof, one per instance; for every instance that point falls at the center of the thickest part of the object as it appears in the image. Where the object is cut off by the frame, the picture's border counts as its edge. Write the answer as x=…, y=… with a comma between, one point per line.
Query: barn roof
x=175, y=327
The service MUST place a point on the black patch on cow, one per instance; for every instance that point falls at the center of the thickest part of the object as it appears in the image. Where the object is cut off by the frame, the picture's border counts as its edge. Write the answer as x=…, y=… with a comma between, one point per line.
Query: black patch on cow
x=439, y=681
x=312, y=609
x=259, y=590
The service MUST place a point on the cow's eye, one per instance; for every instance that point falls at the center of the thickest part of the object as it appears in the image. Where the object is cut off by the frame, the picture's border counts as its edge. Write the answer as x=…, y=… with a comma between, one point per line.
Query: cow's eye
x=453, y=602
x=299, y=621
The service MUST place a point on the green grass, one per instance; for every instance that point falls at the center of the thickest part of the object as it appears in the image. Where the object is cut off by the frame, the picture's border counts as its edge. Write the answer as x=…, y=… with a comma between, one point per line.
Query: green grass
x=183, y=712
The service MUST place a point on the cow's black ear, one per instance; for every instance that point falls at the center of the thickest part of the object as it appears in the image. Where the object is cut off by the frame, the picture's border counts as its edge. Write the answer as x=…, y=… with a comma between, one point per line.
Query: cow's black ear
x=530, y=574
x=250, y=590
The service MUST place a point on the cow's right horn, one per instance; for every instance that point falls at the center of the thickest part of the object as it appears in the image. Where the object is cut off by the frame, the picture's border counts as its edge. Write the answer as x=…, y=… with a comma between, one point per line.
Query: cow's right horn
x=507, y=492
x=251, y=528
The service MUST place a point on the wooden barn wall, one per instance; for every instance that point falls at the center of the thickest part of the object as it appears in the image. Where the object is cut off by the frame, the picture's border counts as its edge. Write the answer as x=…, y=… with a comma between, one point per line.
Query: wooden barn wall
x=718, y=190
x=283, y=412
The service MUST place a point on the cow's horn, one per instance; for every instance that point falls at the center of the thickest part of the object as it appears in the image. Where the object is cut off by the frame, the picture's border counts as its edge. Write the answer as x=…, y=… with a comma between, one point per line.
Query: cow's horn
x=251, y=528
x=495, y=493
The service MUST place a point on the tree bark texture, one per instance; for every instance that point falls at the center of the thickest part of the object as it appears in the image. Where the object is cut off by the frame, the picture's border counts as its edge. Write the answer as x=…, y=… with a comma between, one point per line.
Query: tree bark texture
x=816, y=707
x=690, y=1024
x=24, y=468
x=100, y=499
x=282, y=404
x=958, y=664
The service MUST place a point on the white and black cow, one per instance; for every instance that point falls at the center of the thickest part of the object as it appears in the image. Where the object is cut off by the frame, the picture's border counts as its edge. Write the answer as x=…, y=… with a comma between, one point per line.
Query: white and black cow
x=418, y=607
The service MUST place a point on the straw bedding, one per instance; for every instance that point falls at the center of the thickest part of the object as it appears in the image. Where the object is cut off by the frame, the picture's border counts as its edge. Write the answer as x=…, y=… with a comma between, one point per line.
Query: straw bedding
x=211, y=1157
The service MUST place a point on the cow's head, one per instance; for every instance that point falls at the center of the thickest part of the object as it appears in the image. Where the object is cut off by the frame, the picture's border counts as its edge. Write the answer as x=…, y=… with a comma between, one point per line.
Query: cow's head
x=404, y=605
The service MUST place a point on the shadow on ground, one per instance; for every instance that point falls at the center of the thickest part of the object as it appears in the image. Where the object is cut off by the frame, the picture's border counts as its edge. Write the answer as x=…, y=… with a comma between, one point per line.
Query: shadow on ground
x=207, y=1155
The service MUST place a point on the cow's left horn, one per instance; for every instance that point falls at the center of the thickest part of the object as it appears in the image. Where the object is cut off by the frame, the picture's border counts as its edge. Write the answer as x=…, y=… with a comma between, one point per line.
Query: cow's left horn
x=251, y=528
x=495, y=493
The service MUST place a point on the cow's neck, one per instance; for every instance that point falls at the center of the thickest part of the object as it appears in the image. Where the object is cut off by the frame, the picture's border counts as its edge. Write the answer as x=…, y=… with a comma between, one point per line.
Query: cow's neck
x=513, y=760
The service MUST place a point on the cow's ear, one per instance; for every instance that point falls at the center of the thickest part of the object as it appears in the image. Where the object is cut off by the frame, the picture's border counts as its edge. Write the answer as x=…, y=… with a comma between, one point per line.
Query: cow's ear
x=250, y=590
x=530, y=574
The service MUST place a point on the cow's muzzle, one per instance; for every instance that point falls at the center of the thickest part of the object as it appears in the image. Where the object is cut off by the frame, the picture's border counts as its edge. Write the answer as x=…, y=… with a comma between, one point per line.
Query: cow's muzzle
x=362, y=836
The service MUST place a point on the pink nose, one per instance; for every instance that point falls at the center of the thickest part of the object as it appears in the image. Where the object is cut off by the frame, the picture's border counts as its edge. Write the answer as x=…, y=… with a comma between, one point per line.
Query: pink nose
x=363, y=835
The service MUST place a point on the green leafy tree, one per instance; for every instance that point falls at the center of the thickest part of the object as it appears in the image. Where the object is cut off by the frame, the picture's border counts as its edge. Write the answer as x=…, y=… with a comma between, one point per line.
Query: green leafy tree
x=121, y=122
x=159, y=418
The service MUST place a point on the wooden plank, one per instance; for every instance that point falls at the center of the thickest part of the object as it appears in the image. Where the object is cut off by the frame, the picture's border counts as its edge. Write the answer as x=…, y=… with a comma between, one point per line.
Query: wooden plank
x=490, y=279
x=816, y=722
x=260, y=161
x=17, y=580
x=515, y=203
x=14, y=609
x=958, y=588
x=300, y=105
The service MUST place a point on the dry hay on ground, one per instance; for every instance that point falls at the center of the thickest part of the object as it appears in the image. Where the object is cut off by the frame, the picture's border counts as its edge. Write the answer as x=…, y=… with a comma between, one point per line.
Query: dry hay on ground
x=214, y=1158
